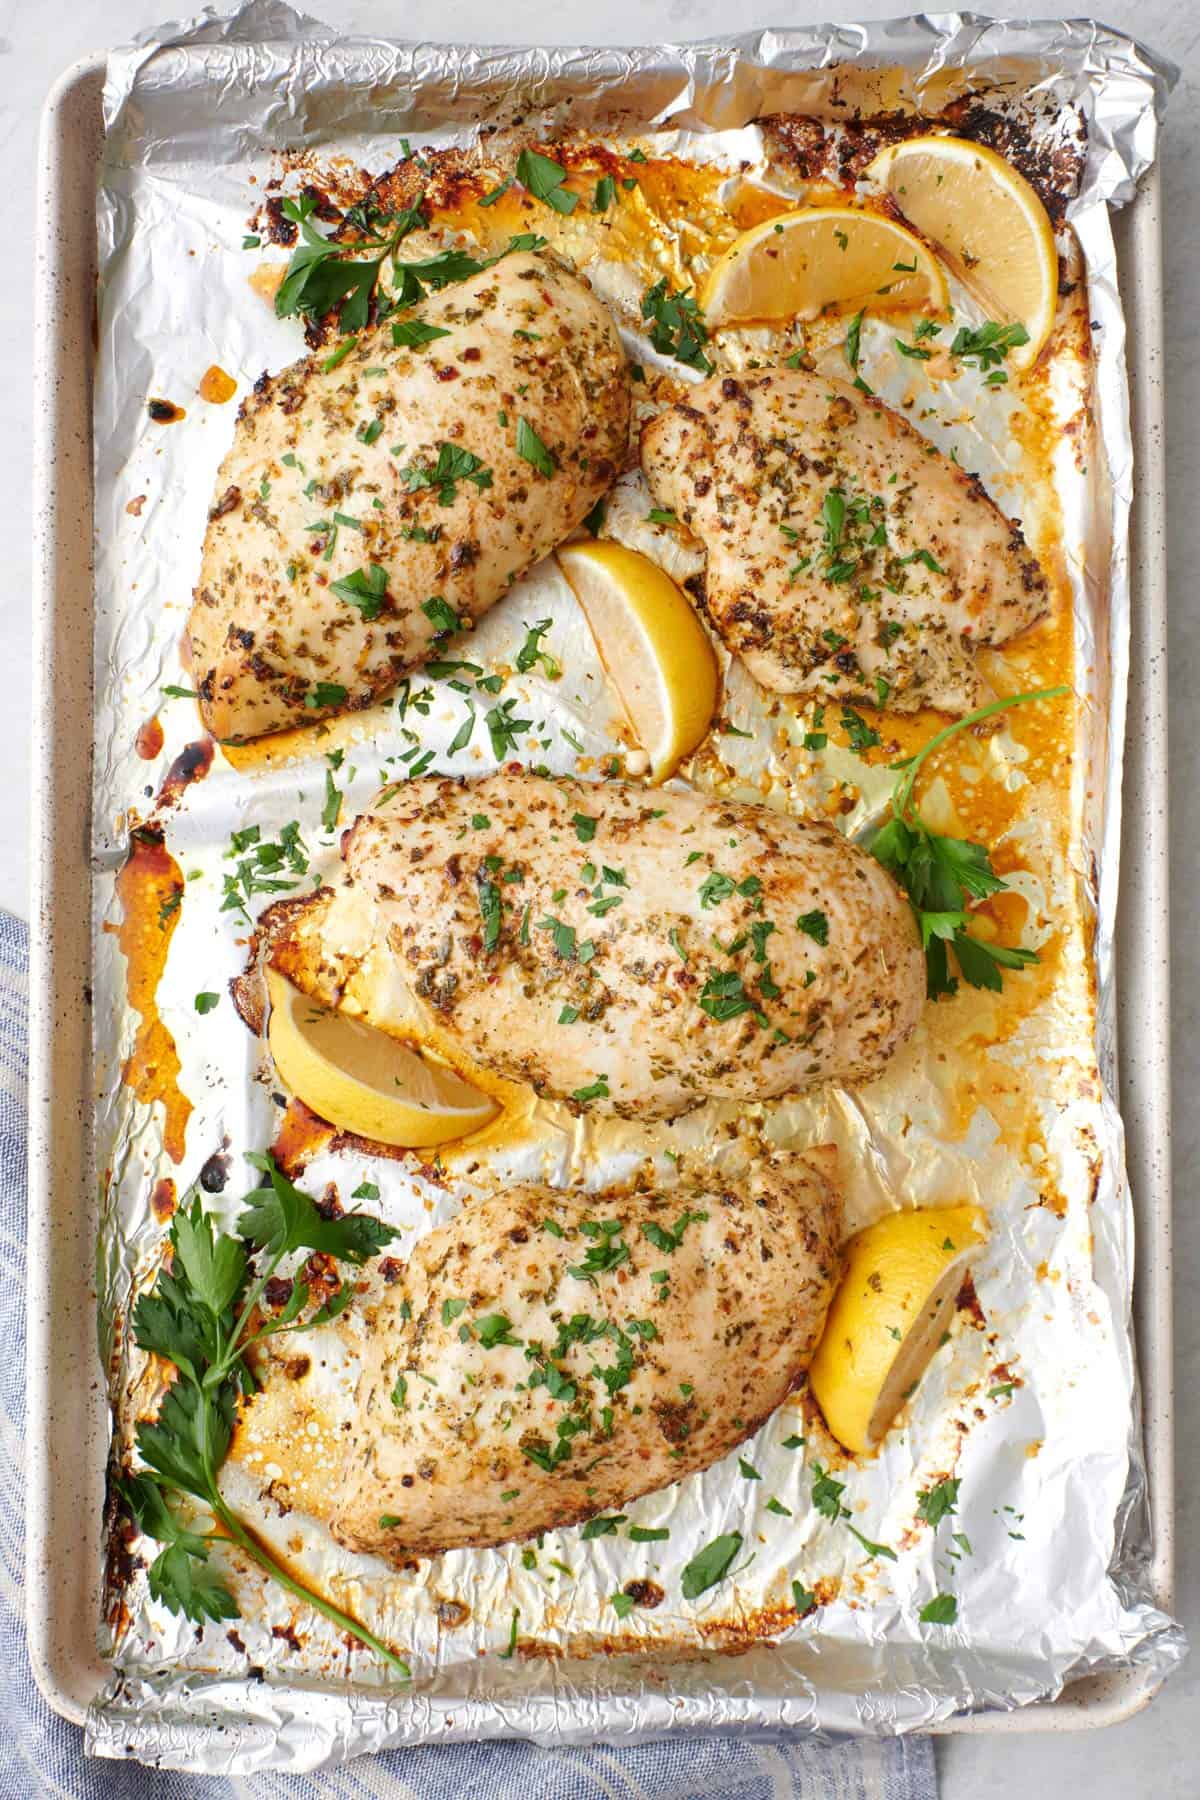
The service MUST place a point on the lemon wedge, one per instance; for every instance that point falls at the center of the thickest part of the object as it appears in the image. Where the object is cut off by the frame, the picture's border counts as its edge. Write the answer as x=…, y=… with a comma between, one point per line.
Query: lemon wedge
x=841, y=257
x=653, y=647
x=987, y=222
x=363, y=1081
x=887, y=1318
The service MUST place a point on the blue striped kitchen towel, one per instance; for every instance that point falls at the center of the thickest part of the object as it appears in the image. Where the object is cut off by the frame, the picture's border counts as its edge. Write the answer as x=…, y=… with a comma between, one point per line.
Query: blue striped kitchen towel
x=41, y=1754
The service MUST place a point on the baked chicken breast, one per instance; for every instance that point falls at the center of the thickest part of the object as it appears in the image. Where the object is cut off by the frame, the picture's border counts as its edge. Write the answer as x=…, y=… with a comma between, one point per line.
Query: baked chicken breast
x=631, y=952
x=530, y=1366
x=373, y=506
x=847, y=557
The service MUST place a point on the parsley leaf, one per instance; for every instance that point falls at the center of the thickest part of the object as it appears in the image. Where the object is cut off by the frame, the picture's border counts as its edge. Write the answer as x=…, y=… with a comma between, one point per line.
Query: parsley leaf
x=710, y=1565
x=532, y=449
x=987, y=345
x=415, y=332
x=677, y=327
x=531, y=651
x=933, y=1504
x=815, y=925
x=544, y=178
x=280, y=1218
x=454, y=464
x=365, y=588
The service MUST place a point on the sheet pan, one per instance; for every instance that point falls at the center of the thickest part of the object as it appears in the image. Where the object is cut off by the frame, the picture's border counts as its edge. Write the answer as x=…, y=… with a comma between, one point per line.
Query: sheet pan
x=62, y=1609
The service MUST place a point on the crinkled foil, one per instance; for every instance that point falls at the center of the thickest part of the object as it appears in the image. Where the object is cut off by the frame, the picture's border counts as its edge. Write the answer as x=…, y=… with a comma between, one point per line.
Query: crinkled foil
x=1050, y=1573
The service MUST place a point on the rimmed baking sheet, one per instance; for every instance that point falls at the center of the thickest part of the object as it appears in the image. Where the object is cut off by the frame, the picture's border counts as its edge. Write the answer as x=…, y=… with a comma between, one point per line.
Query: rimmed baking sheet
x=65, y=1477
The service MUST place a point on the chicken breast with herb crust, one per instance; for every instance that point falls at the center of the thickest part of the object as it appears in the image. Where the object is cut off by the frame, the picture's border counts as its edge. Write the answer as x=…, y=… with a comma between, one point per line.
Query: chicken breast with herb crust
x=847, y=557
x=378, y=499
x=629, y=951
x=548, y=1356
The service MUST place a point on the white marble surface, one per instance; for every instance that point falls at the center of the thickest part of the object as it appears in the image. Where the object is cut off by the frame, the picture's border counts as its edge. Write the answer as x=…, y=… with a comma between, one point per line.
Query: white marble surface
x=1158, y=1752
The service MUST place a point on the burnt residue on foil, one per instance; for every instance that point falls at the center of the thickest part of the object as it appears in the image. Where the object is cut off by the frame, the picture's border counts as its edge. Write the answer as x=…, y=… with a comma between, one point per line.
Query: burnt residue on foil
x=1037, y=1375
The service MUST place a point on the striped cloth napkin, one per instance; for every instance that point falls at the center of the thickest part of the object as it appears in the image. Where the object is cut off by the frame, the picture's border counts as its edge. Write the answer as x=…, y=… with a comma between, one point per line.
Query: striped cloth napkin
x=41, y=1754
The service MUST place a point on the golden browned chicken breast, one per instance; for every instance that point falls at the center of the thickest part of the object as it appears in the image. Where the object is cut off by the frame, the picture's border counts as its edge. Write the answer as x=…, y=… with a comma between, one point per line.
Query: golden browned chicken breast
x=847, y=557
x=548, y=1356
x=634, y=952
x=374, y=504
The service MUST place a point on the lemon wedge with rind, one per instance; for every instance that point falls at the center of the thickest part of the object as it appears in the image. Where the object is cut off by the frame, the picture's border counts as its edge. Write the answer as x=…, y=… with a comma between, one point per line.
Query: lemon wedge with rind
x=891, y=1309
x=838, y=258
x=654, y=649
x=988, y=223
x=365, y=1082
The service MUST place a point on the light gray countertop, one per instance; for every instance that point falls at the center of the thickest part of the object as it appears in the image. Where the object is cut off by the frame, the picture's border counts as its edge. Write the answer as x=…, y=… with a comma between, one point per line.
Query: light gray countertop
x=1157, y=1752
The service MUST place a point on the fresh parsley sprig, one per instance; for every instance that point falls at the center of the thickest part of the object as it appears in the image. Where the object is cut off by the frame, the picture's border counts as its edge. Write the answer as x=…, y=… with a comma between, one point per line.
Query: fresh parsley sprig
x=328, y=274
x=203, y=1315
x=324, y=273
x=941, y=874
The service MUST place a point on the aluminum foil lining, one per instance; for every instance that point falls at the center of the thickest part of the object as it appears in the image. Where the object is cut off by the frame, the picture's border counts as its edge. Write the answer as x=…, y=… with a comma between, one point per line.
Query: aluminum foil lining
x=1053, y=1582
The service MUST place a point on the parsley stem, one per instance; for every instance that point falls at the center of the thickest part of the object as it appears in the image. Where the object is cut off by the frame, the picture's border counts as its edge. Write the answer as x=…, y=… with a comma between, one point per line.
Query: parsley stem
x=902, y=798
x=265, y=1560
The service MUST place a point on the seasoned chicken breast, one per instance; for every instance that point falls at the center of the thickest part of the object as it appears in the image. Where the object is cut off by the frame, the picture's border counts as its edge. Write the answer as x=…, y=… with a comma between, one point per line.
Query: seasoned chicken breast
x=633, y=952
x=548, y=1356
x=847, y=557
x=375, y=503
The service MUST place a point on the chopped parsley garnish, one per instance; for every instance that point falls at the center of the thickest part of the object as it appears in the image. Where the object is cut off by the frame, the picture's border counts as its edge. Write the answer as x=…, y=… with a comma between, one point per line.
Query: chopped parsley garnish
x=934, y=1503
x=677, y=327
x=464, y=734
x=204, y=1003
x=724, y=997
x=987, y=345
x=491, y=911
x=441, y=616
x=503, y=728
x=598, y=1090
x=716, y=887
x=710, y=1565
x=603, y=1525
x=815, y=925
x=364, y=588
x=413, y=333
x=325, y=693
x=263, y=868
x=531, y=651
x=454, y=464
x=544, y=179
x=941, y=1610
x=854, y=339
x=493, y=1329
x=669, y=1241
x=859, y=735
x=531, y=447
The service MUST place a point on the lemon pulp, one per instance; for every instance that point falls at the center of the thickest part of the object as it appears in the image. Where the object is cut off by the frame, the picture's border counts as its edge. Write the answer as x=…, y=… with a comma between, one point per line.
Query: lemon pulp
x=654, y=649
x=987, y=221
x=892, y=1307
x=838, y=257
x=362, y=1080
